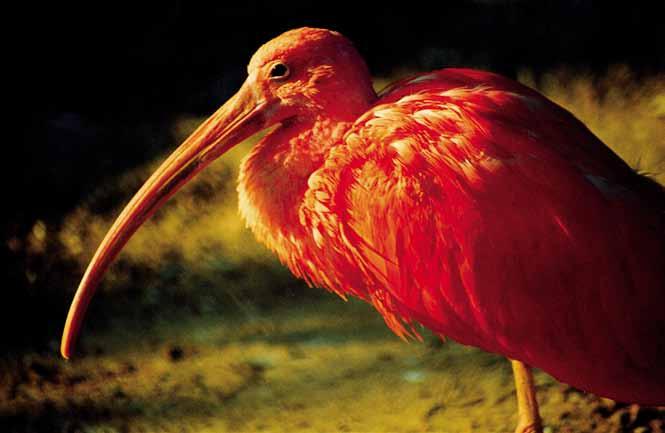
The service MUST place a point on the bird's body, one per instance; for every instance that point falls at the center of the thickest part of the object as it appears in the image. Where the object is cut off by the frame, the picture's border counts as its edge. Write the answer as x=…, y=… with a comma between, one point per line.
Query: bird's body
x=470, y=204
x=459, y=199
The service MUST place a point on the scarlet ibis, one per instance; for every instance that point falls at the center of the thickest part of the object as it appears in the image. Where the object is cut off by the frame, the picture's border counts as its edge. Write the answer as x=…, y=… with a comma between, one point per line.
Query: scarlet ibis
x=459, y=199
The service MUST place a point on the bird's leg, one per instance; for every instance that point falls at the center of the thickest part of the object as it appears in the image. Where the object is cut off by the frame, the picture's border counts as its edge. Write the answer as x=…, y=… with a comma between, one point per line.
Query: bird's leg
x=527, y=406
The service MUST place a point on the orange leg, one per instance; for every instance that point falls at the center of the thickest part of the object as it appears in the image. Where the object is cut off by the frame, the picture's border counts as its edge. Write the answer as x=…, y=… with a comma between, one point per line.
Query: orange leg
x=528, y=420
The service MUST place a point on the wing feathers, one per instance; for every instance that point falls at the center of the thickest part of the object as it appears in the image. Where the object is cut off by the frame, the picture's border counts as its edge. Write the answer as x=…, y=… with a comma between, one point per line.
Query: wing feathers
x=472, y=204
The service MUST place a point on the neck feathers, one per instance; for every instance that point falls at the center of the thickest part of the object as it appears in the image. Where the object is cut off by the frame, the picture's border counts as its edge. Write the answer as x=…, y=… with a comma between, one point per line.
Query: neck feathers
x=273, y=180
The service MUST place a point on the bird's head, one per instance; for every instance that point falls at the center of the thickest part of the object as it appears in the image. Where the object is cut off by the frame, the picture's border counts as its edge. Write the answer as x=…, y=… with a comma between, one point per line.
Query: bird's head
x=309, y=71
x=301, y=73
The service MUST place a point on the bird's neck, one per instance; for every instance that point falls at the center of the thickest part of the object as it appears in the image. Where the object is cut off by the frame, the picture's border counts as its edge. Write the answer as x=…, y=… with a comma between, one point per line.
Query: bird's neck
x=273, y=178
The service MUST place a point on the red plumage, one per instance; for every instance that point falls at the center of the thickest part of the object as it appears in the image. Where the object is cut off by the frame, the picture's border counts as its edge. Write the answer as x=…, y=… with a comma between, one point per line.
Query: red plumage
x=473, y=205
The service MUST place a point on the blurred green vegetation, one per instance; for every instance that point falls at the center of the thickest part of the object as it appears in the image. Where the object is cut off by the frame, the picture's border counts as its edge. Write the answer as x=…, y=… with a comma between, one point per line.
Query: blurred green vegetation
x=305, y=368
x=626, y=113
x=196, y=253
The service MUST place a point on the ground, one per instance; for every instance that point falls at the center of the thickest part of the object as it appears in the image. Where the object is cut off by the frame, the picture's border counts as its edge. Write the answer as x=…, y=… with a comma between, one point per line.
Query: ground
x=319, y=366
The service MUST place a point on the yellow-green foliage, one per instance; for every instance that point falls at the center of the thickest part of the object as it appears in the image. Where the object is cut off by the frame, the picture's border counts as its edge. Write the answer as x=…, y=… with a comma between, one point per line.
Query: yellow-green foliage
x=202, y=228
x=324, y=367
x=627, y=114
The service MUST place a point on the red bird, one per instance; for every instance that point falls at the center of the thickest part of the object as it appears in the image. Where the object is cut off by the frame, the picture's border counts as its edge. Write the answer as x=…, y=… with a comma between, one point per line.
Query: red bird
x=459, y=199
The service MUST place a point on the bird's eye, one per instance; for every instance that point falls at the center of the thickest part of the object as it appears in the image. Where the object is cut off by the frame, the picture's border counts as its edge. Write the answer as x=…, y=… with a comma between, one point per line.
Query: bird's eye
x=279, y=70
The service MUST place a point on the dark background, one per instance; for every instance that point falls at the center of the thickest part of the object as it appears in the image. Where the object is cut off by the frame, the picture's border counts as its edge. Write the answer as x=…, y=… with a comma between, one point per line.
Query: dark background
x=92, y=90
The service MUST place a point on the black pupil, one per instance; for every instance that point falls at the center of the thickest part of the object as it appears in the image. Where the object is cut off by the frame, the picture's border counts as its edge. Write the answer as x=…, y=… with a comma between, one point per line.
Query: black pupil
x=279, y=70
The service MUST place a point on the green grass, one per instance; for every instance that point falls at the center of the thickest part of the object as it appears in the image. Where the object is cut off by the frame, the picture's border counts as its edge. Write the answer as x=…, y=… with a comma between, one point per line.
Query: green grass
x=626, y=113
x=326, y=366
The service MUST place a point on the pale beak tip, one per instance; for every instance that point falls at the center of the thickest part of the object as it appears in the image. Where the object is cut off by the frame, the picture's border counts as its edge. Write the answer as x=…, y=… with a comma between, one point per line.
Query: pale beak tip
x=67, y=342
x=65, y=351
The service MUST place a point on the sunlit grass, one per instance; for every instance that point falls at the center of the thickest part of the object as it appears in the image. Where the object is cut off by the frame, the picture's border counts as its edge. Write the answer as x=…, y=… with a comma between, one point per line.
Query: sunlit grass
x=626, y=113
x=298, y=368
x=199, y=229
x=314, y=370
x=202, y=216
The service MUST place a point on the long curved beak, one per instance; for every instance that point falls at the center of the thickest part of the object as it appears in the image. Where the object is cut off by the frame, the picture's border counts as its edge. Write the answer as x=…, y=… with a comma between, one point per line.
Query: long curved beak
x=240, y=117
